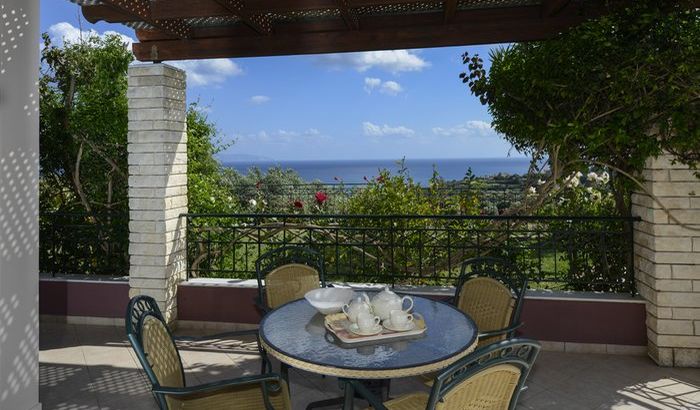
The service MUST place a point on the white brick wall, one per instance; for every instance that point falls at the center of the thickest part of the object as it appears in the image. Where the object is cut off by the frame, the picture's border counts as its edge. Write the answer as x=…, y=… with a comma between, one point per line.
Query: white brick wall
x=157, y=147
x=667, y=261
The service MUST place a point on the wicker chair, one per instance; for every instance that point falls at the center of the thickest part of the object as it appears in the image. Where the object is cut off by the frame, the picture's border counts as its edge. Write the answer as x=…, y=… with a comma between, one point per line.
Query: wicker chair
x=156, y=350
x=286, y=274
x=491, y=377
x=491, y=292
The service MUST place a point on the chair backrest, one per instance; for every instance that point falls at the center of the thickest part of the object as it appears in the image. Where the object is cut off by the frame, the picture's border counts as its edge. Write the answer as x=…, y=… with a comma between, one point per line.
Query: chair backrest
x=138, y=306
x=154, y=346
x=288, y=273
x=489, y=378
x=490, y=291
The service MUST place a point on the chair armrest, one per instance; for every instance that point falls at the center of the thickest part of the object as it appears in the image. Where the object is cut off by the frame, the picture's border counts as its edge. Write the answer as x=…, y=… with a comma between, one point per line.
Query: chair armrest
x=363, y=392
x=250, y=332
x=507, y=331
x=212, y=387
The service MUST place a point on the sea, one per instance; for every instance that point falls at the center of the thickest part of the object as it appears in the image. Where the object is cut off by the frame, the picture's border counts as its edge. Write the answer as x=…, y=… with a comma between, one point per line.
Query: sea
x=421, y=170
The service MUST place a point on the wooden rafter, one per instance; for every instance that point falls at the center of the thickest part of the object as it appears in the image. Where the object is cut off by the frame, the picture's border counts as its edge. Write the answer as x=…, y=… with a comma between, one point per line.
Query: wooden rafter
x=378, y=33
x=209, y=8
x=450, y=10
x=140, y=10
x=349, y=15
x=260, y=22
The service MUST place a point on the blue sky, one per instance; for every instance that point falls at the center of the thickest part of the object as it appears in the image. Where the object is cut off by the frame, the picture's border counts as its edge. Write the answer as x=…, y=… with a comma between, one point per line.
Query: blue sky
x=375, y=105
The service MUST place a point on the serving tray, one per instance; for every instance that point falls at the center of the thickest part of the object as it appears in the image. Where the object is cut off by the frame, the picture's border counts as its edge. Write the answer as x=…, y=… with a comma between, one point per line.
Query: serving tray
x=338, y=323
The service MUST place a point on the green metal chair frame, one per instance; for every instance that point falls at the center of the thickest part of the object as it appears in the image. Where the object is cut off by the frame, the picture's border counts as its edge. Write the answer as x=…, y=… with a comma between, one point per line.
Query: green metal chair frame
x=284, y=255
x=143, y=306
x=503, y=271
x=518, y=352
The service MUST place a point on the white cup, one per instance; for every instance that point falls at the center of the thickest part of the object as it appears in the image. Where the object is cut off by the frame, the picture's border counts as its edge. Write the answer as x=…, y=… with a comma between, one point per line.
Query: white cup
x=366, y=322
x=401, y=319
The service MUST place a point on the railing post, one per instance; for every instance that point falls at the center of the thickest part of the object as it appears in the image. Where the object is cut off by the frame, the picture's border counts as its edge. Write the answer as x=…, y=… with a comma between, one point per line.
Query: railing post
x=392, y=245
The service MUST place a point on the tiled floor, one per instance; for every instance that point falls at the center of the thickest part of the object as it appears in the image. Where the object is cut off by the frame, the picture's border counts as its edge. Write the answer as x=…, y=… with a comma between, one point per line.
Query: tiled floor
x=92, y=367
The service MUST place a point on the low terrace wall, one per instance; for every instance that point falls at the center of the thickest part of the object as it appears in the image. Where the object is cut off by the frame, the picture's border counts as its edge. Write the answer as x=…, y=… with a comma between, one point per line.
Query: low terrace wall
x=564, y=321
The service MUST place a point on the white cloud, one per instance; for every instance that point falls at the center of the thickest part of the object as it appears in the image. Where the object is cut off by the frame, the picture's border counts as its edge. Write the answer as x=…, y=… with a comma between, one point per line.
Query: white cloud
x=259, y=99
x=65, y=32
x=284, y=136
x=391, y=88
x=208, y=72
x=375, y=130
x=372, y=83
x=385, y=87
x=469, y=129
x=393, y=61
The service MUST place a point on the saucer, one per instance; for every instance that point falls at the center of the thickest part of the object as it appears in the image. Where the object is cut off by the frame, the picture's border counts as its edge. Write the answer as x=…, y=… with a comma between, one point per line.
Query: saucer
x=409, y=326
x=356, y=330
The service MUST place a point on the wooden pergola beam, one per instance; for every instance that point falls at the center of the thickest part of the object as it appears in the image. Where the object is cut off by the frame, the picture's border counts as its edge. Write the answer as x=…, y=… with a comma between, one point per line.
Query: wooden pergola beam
x=140, y=10
x=466, y=29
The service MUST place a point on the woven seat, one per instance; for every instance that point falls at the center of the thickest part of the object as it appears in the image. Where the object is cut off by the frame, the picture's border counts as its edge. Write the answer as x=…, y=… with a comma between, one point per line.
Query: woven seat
x=286, y=274
x=491, y=292
x=490, y=378
x=159, y=356
x=289, y=282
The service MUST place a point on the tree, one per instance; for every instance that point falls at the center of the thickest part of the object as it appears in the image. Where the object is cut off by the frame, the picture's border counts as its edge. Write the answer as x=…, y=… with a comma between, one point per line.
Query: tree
x=83, y=125
x=611, y=92
x=209, y=189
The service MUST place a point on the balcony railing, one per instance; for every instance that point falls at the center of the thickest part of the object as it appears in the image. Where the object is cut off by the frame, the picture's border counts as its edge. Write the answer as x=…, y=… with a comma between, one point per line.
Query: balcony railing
x=571, y=253
x=82, y=243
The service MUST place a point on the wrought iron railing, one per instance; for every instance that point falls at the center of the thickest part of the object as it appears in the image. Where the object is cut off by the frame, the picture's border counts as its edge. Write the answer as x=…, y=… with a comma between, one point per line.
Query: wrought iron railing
x=572, y=253
x=83, y=243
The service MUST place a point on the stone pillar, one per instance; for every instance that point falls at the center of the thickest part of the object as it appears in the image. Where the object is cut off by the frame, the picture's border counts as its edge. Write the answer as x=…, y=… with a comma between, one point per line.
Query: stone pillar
x=667, y=261
x=19, y=205
x=157, y=146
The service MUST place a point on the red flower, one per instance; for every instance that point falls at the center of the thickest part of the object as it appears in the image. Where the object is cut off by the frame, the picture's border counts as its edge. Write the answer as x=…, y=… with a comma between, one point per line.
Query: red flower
x=258, y=184
x=381, y=179
x=298, y=204
x=321, y=197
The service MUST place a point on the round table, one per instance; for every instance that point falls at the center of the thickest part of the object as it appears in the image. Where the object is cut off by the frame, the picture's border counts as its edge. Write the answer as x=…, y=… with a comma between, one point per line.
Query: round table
x=295, y=334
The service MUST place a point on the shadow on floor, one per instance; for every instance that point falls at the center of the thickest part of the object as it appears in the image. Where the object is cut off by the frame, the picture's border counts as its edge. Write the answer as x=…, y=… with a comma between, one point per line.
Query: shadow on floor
x=94, y=368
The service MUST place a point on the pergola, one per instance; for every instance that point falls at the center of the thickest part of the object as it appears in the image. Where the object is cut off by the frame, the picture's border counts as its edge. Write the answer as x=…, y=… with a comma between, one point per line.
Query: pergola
x=194, y=29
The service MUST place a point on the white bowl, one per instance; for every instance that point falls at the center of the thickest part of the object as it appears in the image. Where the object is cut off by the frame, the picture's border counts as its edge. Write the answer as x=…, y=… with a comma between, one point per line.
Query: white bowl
x=329, y=300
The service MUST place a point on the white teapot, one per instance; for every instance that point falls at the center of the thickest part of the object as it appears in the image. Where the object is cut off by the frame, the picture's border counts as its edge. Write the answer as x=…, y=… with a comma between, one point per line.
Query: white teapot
x=359, y=305
x=386, y=301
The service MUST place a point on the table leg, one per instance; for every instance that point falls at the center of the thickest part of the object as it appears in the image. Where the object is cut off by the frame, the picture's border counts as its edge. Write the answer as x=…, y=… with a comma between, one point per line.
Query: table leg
x=349, y=404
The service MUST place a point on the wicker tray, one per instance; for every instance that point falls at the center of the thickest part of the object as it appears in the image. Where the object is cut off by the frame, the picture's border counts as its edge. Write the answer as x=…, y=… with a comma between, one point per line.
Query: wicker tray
x=338, y=323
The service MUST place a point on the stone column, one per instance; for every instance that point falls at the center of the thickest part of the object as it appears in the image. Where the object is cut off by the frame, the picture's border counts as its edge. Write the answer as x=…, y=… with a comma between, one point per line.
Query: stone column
x=157, y=147
x=19, y=205
x=667, y=261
